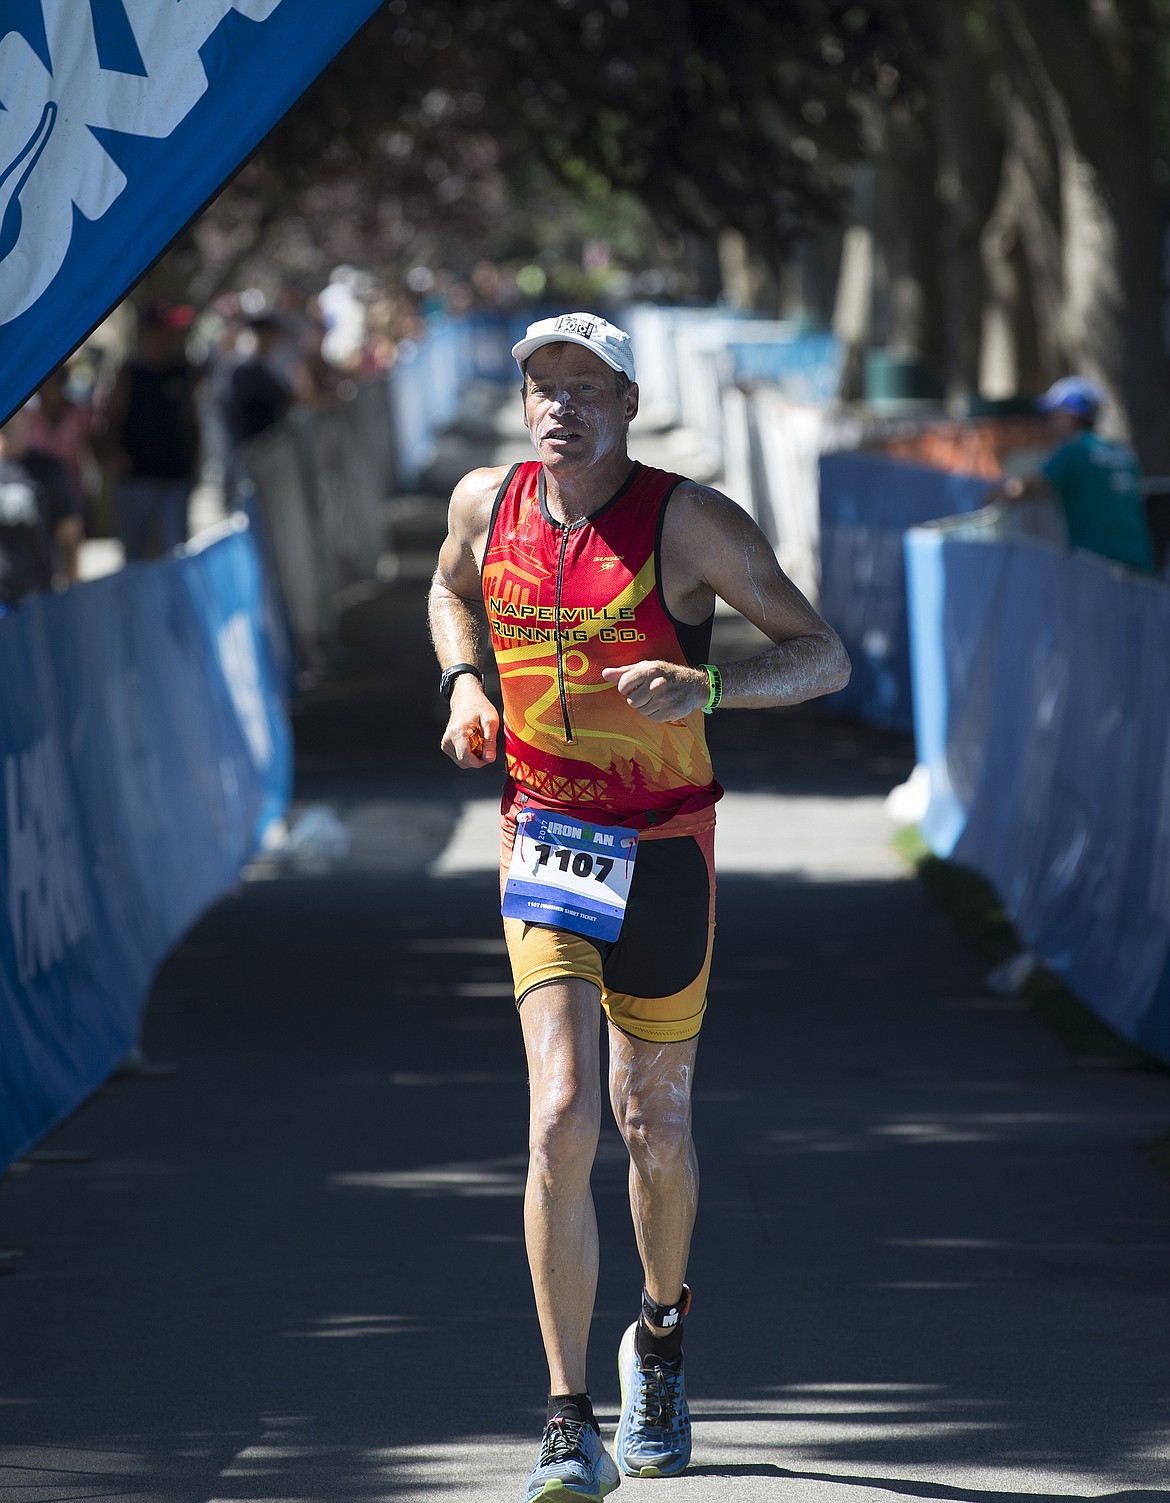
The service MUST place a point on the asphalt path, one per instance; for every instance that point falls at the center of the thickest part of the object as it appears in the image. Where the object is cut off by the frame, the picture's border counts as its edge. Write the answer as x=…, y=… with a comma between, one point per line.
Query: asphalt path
x=931, y=1259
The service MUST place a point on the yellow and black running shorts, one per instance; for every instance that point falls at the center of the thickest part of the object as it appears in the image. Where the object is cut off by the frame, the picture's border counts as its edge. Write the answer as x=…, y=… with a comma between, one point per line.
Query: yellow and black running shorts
x=653, y=977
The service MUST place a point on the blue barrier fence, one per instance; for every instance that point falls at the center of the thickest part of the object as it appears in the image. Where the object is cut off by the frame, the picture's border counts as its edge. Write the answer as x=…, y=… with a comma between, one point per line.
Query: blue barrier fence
x=424, y=395
x=430, y=375
x=145, y=749
x=806, y=367
x=866, y=503
x=1042, y=702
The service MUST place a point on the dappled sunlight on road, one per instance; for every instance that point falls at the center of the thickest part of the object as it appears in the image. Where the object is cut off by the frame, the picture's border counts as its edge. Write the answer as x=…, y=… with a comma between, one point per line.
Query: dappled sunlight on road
x=930, y=1260
x=475, y=1465
x=505, y=1177
x=767, y=1445
x=961, y=1127
x=359, y=1327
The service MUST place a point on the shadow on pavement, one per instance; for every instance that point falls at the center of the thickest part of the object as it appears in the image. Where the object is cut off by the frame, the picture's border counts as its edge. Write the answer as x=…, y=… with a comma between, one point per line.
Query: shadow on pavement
x=930, y=1259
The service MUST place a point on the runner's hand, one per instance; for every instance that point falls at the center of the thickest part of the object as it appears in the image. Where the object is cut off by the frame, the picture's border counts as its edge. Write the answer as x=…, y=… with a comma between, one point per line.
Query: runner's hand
x=470, y=737
x=660, y=691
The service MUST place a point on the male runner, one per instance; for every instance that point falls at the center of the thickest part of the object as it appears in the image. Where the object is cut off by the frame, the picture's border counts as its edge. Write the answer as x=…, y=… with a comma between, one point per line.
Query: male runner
x=598, y=577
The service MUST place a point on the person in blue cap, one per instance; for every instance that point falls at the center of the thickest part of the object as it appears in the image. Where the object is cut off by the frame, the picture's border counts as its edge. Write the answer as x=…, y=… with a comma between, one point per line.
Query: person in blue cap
x=1097, y=481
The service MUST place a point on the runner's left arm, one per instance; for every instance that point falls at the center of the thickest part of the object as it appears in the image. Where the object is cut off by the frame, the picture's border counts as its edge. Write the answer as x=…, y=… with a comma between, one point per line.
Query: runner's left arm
x=711, y=547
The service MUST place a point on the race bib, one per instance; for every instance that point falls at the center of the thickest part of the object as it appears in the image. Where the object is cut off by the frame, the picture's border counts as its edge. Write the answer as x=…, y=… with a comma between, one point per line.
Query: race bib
x=570, y=874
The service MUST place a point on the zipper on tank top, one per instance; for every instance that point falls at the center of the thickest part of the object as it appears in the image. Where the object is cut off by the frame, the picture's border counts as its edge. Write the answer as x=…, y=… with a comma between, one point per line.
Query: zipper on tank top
x=557, y=633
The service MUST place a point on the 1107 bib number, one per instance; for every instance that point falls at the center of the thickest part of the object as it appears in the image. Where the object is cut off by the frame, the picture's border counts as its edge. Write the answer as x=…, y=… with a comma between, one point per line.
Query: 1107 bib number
x=582, y=864
x=570, y=875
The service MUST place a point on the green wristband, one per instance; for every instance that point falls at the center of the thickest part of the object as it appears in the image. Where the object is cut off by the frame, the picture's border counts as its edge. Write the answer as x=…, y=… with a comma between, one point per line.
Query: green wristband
x=715, y=678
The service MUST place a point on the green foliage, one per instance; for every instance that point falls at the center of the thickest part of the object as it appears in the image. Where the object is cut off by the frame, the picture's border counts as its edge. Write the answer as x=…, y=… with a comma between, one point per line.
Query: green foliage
x=457, y=119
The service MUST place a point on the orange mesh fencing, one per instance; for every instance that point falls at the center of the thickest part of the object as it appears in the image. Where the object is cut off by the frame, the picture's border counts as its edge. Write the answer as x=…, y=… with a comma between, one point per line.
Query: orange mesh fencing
x=976, y=447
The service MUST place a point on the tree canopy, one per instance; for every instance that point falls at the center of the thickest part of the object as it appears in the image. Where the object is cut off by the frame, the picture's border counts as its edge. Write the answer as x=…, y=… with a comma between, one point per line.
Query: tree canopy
x=1015, y=154
x=447, y=121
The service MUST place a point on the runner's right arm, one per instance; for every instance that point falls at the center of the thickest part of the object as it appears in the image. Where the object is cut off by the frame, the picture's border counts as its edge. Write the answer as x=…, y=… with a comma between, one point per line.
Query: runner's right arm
x=455, y=612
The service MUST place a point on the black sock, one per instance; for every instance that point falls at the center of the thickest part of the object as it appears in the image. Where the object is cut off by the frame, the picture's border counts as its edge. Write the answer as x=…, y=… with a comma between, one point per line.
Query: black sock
x=648, y=1343
x=574, y=1406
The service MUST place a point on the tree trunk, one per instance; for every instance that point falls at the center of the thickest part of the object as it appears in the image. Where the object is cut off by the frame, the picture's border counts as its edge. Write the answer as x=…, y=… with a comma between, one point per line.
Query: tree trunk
x=748, y=284
x=808, y=277
x=910, y=309
x=853, y=307
x=1021, y=250
x=971, y=161
x=1096, y=81
x=702, y=258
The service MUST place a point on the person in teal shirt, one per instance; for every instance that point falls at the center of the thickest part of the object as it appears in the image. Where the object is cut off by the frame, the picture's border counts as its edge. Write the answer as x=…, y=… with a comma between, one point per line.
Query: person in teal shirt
x=1096, y=481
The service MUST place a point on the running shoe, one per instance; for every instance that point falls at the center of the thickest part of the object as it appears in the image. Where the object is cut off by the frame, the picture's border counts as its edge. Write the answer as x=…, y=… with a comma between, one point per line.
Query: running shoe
x=654, y=1433
x=573, y=1464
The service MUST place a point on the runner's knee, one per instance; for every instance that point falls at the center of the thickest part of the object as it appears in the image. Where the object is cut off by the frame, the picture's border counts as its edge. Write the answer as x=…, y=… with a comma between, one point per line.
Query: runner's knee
x=564, y=1126
x=657, y=1133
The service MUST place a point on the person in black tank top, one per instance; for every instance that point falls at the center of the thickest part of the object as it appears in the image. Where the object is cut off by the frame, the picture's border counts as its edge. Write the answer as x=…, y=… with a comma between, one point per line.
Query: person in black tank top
x=149, y=437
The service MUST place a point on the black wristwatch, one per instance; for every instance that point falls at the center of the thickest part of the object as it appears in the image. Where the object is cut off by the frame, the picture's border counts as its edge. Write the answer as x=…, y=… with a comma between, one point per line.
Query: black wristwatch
x=447, y=682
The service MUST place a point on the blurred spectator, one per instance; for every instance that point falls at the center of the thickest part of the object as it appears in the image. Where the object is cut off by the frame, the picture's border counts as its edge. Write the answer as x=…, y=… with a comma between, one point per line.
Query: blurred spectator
x=301, y=329
x=260, y=388
x=487, y=285
x=60, y=426
x=1097, y=482
x=344, y=316
x=148, y=435
x=226, y=323
x=320, y=383
x=40, y=516
x=381, y=347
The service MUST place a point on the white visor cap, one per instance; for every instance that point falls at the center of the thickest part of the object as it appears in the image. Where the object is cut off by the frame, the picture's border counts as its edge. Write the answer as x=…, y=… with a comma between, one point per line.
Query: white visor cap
x=607, y=342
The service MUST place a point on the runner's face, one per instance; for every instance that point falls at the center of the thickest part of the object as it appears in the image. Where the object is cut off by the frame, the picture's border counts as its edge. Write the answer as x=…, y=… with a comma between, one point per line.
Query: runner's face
x=572, y=410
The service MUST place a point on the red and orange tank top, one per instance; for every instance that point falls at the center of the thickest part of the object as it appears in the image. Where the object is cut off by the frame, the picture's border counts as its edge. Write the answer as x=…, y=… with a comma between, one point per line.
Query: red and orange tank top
x=564, y=602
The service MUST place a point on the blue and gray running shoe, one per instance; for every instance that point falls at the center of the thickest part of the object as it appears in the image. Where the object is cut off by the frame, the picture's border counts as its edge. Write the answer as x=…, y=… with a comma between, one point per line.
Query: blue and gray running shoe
x=573, y=1464
x=654, y=1432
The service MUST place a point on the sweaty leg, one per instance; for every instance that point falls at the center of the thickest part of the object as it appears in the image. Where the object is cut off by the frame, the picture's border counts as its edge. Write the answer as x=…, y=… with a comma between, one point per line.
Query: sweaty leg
x=650, y=1090
x=561, y=1026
